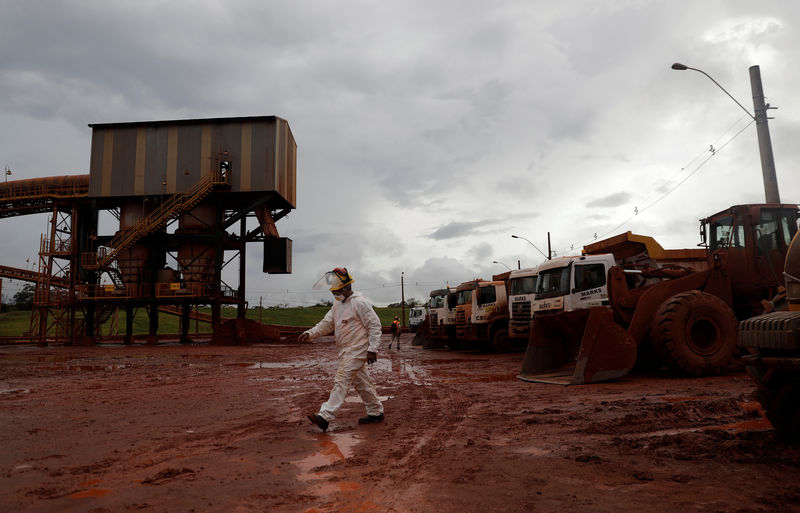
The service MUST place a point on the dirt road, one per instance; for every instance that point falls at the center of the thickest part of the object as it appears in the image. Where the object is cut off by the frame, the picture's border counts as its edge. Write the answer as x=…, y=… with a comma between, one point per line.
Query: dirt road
x=223, y=429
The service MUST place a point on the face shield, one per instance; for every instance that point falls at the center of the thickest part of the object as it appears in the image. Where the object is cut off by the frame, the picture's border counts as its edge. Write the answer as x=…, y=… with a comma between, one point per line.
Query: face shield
x=334, y=280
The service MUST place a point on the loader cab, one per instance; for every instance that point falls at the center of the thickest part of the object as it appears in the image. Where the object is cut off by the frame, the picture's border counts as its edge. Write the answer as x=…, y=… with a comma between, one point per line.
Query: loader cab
x=753, y=240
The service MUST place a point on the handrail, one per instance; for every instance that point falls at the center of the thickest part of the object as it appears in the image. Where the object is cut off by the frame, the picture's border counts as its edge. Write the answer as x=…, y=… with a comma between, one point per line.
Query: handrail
x=180, y=202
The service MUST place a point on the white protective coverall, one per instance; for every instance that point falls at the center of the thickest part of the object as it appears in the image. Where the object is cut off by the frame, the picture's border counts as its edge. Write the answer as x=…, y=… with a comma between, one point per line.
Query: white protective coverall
x=357, y=329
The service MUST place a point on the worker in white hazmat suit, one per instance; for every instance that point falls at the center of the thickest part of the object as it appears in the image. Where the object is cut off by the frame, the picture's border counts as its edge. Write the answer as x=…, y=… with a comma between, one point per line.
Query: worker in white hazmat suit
x=357, y=329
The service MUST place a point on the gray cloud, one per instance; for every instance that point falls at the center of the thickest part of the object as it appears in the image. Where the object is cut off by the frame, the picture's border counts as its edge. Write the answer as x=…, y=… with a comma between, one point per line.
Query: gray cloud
x=455, y=229
x=497, y=117
x=612, y=200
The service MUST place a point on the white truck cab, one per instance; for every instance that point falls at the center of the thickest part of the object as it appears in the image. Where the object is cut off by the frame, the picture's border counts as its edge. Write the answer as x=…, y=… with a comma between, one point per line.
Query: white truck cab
x=415, y=317
x=521, y=289
x=442, y=313
x=571, y=283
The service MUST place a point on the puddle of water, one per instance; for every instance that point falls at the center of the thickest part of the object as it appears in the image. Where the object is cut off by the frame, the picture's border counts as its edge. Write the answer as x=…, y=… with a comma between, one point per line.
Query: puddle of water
x=665, y=432
x=333, y=447
x=759, y=424
x=14, y=391
x=271, y=365
x=92, y=492
x=88, y=367
x=356, y=399
x=535, y=451
x=747, y=425
x=680, y=399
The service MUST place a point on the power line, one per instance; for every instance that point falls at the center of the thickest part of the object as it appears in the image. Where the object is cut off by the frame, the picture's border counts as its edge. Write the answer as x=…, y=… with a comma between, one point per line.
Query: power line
x=713, y=152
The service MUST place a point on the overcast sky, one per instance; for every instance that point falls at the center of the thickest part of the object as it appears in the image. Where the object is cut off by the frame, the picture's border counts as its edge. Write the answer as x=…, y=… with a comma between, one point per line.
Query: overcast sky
x=428, y=132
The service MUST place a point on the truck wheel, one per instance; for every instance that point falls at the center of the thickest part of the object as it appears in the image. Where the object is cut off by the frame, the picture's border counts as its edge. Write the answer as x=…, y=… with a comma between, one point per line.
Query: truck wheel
x=501, y=342
x=695, y=332
x=779, y=395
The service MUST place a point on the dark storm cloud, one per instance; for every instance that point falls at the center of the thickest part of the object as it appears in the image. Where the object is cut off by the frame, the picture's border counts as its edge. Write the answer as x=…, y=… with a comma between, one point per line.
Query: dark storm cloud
x=456, y=229
x=613, y=200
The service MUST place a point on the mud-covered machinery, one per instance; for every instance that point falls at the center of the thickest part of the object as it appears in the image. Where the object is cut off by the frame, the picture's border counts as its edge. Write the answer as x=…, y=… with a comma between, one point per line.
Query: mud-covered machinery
x=439, y=327
x=182, y=192
x=665, y=311
x=772, y=346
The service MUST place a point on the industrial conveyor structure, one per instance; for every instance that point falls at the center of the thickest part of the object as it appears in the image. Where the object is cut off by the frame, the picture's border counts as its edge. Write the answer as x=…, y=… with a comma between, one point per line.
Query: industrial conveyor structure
x=182, y=192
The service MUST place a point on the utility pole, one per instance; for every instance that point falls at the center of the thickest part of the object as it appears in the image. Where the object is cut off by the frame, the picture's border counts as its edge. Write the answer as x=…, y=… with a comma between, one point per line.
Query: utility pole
x=764, y=141
x=403, y=300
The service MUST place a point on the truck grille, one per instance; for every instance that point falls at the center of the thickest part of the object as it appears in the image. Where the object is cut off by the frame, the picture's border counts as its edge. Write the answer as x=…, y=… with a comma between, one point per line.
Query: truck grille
x=461, y=317
x=521, y=310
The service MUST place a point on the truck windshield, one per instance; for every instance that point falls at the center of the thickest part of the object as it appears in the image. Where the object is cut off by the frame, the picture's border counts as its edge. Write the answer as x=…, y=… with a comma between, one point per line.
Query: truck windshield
x=487, y=295
x=553, y=282
x=451, y=300
x=524, y=285
x=465, y=297
x=437, y=301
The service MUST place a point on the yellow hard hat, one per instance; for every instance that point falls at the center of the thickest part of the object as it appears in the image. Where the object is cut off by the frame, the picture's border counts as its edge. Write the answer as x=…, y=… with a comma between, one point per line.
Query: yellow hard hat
x=335, y=279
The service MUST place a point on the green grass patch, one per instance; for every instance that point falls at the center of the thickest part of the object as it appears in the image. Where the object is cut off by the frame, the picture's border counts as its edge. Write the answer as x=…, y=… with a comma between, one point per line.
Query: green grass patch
x=17, y=322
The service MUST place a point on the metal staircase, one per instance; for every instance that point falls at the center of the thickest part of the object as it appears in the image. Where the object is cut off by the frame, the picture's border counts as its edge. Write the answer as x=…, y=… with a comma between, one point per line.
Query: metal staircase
x=174, y=207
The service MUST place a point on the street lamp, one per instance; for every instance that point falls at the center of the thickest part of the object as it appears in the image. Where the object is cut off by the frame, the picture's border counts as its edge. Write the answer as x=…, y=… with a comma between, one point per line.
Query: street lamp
x=764, y=142
x=496, y=262
x=531, y=243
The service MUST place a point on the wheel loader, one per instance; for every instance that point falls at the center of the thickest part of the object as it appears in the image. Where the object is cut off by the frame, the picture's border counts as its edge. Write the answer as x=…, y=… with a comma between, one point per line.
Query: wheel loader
x=668, y=307
x=772, y=346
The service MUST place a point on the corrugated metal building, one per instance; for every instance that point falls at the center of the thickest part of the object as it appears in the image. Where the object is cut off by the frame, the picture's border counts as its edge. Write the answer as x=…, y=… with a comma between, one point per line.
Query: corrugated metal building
x=167, y=157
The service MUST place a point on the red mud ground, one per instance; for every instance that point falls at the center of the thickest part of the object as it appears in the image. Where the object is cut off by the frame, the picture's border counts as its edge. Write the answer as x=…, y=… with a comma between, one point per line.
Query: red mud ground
x=223, y=429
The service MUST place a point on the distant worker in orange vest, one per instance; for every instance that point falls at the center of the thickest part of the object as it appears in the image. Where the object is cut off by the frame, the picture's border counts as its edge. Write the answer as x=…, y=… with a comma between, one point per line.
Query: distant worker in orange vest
x=395, y=329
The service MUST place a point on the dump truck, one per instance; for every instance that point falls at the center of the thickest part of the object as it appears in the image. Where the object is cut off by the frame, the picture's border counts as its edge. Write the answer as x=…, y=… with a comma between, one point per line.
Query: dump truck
x=570, y=283
x=521, y=289
x=771, y=343
x=415, y=317
x=482, y=313
x=682, y=306
x=438, y=329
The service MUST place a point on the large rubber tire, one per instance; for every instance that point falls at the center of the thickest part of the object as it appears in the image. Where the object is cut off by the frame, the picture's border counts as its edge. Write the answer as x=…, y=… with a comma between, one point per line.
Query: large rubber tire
x=695, y=332
x=779, y=395
x=501, y=342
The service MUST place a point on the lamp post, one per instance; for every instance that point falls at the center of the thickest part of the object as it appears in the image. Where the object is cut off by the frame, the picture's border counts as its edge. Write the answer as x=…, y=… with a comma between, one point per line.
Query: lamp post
x=532, y=244
x=501, y=263
x=764, y=142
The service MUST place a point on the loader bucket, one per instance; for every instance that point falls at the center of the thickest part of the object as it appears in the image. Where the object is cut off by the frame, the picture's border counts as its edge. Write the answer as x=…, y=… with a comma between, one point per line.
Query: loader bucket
x=573, y=348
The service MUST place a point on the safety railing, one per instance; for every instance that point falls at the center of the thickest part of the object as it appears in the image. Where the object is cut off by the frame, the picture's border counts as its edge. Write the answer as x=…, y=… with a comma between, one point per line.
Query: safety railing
x=31, y=192
x=108, y=291
x=191, y=289
x=178, y=203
